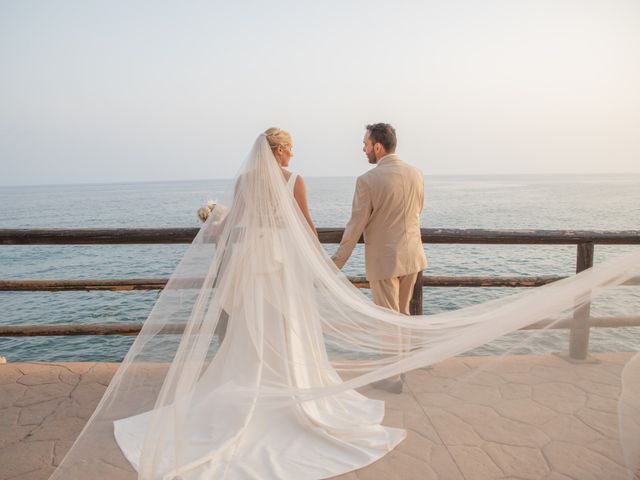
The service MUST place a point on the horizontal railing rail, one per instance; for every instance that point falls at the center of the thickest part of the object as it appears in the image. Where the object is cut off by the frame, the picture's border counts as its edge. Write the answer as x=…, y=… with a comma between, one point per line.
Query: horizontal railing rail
x=97, y=236
x=129, y=284
x=134, y=328
x=579, y=325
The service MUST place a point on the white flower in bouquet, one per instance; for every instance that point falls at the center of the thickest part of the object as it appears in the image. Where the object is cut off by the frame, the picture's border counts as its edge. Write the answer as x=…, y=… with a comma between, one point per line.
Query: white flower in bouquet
x=205, y=211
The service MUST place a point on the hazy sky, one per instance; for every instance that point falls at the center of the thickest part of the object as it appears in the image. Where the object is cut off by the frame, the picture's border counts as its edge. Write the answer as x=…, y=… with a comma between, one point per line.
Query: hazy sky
x=102, y=91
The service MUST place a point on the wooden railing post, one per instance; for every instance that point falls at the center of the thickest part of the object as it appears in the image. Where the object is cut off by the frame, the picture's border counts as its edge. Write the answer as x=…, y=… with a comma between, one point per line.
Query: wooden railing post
x=579, y=332
x=415, y=306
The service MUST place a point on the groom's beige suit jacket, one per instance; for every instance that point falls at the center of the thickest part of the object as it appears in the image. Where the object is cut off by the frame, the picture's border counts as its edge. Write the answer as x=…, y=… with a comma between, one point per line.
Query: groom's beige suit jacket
x=387, y=204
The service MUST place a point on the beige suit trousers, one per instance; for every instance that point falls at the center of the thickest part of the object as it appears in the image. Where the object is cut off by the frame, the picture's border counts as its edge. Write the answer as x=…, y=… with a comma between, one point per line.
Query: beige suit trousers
x=394, y=293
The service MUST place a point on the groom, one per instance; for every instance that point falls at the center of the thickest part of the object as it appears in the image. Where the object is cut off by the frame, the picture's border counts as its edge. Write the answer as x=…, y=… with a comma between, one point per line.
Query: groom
x=386, y=207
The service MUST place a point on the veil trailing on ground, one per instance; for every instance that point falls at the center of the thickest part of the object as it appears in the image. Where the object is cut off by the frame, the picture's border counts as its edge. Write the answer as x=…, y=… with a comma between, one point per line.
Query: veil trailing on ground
x=256, y=320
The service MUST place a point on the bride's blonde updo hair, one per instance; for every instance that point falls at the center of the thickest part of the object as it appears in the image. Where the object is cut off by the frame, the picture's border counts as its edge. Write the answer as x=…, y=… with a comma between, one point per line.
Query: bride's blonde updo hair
x=276, y=137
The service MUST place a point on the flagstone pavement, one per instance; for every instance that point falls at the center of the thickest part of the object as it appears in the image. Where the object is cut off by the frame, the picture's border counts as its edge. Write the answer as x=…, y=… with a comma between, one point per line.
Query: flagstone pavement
x=529, y=418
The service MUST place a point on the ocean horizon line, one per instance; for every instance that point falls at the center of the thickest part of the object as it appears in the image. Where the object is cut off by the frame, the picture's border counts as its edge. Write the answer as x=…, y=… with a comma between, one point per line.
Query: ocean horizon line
x=427, y=176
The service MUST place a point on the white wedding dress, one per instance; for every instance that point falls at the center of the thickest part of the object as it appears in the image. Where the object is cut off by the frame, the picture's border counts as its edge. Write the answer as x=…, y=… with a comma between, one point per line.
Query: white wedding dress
x=311, y=440
x=276, y=399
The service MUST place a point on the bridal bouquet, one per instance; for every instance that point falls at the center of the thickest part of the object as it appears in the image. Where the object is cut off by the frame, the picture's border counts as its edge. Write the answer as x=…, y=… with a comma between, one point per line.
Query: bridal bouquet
x=205, y=211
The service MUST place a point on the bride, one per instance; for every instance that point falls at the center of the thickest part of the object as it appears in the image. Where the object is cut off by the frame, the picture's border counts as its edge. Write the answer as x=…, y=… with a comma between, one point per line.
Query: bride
x=276, y=398
x=271, y=343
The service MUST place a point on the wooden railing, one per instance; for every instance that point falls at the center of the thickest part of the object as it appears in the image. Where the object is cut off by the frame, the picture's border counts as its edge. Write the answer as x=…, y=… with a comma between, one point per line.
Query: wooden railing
x=579, y=326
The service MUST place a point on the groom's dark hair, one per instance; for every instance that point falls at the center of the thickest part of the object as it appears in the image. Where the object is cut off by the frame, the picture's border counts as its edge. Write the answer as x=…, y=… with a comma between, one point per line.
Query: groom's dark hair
x=384, y=134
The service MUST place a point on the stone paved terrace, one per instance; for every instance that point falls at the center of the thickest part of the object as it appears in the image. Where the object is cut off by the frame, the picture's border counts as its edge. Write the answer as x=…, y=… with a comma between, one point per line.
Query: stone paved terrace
x=531, y=418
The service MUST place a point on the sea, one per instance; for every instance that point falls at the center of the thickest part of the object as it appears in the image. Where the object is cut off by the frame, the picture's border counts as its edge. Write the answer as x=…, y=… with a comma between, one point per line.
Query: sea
x=567, y=202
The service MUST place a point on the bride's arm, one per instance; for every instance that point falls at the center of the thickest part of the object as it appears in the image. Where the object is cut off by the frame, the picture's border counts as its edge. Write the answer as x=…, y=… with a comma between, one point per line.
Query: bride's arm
x=300, y=194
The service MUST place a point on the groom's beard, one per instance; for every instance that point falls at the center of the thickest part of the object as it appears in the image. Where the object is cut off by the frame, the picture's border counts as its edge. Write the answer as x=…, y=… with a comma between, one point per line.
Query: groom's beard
x=372, y=158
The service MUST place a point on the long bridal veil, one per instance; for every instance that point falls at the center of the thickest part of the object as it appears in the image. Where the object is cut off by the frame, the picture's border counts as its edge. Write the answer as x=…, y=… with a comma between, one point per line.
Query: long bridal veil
x=299, y=337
